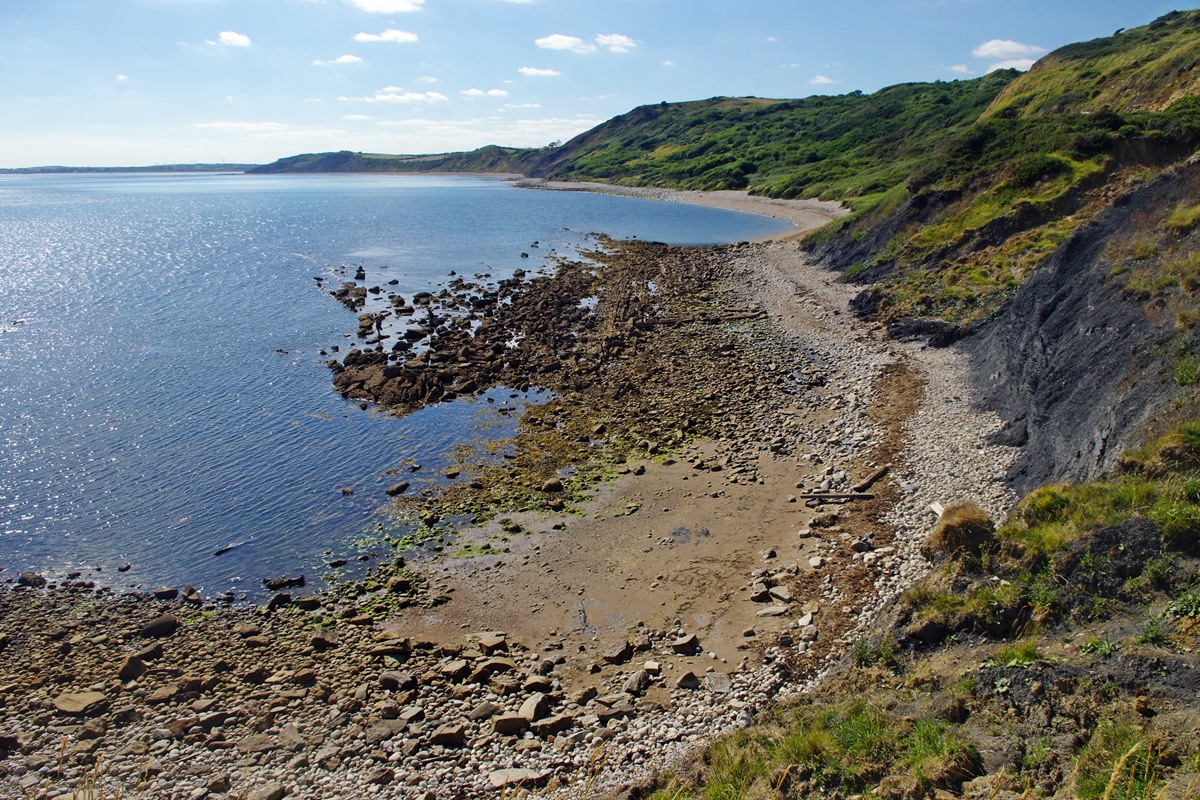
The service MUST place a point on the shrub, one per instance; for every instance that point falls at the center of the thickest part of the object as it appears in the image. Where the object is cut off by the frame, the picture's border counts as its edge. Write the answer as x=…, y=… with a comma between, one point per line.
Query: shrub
x=964, y=529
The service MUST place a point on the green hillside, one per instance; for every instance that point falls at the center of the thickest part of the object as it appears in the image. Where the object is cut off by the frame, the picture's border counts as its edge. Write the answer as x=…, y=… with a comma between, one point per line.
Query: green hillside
x=485, y=159
x=1144, y=69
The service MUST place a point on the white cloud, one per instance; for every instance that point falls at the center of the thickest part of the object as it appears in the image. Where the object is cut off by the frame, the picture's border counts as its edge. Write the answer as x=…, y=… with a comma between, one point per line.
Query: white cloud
x=771, y=39
x=387, y=6
x=821, y=80
x=357, y=117
x=522, y=105
x=538, y=72
x=1012, y=63
x=1007, y=50
x=481, y=93
x=390, y=35
x=962, y=69
x=560, y=41
x=394, y=94
x=230, y=39
x=321, y=62
x=121, y=77
x=668, y=63
x=616, y=42
x=427, y=79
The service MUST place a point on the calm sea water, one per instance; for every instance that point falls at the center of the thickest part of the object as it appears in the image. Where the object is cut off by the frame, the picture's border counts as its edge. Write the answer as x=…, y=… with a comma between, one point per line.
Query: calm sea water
x=162, y=394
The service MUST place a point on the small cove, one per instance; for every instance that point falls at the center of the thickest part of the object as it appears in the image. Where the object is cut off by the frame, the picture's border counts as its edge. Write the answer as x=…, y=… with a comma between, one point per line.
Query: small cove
x=163, y=395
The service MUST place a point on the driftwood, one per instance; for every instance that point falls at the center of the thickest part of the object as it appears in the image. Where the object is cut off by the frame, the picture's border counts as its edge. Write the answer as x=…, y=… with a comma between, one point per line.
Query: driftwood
x=837, y=496
x=866, y=482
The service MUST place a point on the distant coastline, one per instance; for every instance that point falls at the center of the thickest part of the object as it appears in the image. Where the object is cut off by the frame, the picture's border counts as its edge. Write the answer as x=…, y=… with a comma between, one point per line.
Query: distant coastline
x=59, y=170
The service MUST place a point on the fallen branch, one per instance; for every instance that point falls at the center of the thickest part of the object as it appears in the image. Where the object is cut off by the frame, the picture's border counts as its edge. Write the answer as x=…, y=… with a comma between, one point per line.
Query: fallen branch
x=866, y=482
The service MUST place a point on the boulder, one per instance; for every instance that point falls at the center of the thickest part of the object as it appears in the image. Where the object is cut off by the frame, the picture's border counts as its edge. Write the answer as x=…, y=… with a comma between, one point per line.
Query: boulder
x=619, y=654
x=718, y=683
x=131, y=668
x=535, y=706
x=397, y=680
x=31, y=580
x=637, y=682
x=161, y=627
x=509, y=724
x=452, y=734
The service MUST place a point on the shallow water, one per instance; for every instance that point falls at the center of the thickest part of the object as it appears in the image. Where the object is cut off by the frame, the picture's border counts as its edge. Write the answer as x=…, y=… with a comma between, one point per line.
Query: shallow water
x=162, y=394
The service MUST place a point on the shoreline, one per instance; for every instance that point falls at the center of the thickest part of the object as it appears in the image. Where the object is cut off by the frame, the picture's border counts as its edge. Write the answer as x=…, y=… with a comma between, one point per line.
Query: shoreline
x=631, y=623
x=804, y=215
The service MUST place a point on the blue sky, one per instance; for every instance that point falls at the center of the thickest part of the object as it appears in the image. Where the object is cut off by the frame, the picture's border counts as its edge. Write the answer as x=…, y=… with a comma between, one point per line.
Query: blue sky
x=132, y=82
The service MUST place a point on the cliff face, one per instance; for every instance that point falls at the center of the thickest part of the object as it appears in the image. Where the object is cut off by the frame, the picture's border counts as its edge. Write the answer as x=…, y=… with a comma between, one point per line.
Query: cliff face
x=1079, y=363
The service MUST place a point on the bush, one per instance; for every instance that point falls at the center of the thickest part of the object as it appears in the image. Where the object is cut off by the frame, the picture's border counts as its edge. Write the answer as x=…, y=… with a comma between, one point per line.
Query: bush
x=964, y=529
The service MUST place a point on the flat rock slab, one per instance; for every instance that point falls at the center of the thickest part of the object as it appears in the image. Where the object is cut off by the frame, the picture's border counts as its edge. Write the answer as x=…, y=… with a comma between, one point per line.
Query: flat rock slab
x=518, y=777
x=81, y=704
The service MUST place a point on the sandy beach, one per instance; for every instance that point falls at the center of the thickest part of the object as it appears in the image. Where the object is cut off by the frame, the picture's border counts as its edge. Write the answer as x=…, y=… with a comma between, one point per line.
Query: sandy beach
x=586, y=647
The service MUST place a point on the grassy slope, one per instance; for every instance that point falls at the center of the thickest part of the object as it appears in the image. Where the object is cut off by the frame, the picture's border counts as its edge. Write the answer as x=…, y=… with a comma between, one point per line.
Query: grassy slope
x=832, y=147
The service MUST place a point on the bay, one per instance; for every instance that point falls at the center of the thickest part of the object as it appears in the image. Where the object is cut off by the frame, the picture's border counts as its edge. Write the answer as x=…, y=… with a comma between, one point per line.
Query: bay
x=163, y=394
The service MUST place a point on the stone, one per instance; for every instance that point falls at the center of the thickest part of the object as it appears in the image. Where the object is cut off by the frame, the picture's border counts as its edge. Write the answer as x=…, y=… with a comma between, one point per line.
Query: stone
x=781, y=594
x=552, y=725
x=535, y=706
x=637, y=682
x=160, y=627
x=718, y=683
x=552, y=485
x=688, y=680
x=509, y=724
x=381, y=776
x=397, y=489
x=490, y=667
x=131, y=669
x=324, y=640
x=31, y=580
x=81, y=704
x=772, y=611
x=397, y=680
x=619, y=654
x=165, y=593
x=686, y=645
x=384, y=730
x=484, y=710
x=492, y=642
x=283, y=582
x=455, y=670
x=452, y=734
x=257, y=743
x=271, y=791
x=518, y=777
x=163, y=694
x=399, y=584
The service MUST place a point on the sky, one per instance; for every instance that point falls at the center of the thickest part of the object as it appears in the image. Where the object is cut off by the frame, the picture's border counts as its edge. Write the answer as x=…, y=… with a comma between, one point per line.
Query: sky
x=142, y=82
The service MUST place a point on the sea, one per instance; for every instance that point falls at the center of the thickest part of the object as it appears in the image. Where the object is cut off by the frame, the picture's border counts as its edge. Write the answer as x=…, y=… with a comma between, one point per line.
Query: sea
x=166, y=413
